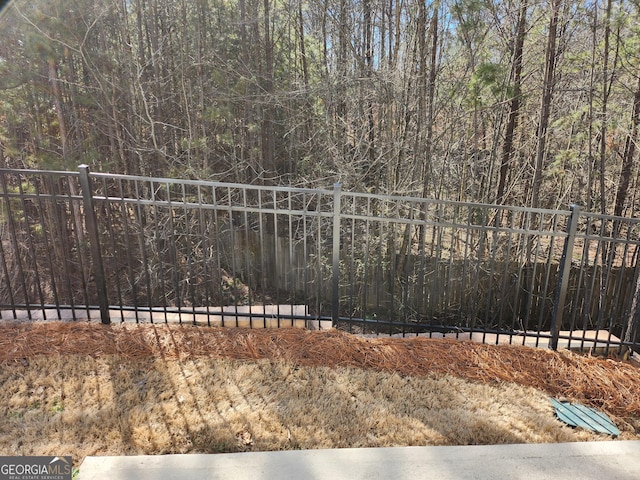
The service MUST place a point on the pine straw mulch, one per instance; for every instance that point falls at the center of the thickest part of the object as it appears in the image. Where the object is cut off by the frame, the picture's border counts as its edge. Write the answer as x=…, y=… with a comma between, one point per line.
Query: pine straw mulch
x=609, y=384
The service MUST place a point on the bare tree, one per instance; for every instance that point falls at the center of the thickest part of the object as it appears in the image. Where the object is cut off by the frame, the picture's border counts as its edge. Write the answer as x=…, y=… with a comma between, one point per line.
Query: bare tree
x=514, y=104
x=545, y=104
x=629, y=154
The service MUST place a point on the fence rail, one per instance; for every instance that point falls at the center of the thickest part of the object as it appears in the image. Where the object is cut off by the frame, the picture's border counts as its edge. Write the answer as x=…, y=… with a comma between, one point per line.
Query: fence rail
x=90, y=245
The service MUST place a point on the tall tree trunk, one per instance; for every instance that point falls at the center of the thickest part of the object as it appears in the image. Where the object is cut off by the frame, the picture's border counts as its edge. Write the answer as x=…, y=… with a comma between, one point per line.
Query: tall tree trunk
x=374, y=181
x=245, y=130
x=308, y=110
x=340, y=91
x=303, y=50
x=325, y=40
x=64, y=139
x=629, y=153
x=592, y=73
x=514, y=106
x=57, y=102
x=421, y=90
x=267, y=130
x=606, y=89
x=545, y=105
x=431, y=93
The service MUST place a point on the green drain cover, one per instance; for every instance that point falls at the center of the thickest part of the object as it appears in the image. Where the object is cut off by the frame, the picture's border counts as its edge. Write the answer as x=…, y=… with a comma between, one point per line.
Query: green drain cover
x=578, y=415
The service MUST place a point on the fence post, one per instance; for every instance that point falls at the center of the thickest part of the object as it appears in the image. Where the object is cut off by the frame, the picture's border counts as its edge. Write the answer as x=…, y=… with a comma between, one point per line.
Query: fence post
x=335, y=302
x=564, y=272
x=94, y=239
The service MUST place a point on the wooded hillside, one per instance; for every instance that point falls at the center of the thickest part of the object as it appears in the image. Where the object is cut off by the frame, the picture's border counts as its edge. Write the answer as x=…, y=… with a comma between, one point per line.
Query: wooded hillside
x=518, y=102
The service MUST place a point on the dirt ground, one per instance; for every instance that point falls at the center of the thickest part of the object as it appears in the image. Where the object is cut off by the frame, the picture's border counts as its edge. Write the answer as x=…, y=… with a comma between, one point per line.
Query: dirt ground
x=87, y=389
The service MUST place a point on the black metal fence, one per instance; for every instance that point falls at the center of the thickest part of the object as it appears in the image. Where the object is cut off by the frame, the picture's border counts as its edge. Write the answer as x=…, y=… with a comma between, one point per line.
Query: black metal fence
x=115, y=247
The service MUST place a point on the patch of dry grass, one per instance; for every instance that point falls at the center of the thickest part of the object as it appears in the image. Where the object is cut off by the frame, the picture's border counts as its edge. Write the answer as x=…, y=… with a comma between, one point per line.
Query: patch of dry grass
x=83, y=389
x=111, y=405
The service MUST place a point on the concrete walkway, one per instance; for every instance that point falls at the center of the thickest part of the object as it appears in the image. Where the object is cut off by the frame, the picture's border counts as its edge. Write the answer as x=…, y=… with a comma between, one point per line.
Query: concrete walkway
x=614, y=460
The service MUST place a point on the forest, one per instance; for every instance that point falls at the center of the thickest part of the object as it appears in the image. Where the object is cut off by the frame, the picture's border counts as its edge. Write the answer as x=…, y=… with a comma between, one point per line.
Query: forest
x=520, y=102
